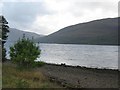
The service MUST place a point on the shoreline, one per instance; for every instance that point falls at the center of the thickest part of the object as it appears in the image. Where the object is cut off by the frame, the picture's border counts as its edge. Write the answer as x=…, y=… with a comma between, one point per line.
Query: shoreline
x=95, y=68
x=65, y=65
x=81, y=44
x=79, y=77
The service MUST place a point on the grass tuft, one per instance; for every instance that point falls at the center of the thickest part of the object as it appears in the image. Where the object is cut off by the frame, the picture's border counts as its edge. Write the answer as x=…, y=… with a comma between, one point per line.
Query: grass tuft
x=15, y=78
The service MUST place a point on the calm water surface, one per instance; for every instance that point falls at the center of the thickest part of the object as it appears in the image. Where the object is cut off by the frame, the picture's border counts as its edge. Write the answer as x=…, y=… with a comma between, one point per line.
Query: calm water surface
x=98, y=56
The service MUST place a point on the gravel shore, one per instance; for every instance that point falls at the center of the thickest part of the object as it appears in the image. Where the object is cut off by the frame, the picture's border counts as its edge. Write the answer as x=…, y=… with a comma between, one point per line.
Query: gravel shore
x=81, y=77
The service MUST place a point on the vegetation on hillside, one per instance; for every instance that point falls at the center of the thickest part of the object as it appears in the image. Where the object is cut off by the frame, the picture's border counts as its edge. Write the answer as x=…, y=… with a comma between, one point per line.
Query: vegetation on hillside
x=98, y=32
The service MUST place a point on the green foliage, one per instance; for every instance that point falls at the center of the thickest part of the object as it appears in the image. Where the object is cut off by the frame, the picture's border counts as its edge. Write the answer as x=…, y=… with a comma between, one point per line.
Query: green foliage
x=39, y=63
x=21, y=83
x=26, y=79
x=3, y=54
x=24, y=52
x=4, y=28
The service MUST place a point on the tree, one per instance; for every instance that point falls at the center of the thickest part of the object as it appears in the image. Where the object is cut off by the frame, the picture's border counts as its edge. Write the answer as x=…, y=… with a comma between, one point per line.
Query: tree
x=24, y=52
x=4, y=29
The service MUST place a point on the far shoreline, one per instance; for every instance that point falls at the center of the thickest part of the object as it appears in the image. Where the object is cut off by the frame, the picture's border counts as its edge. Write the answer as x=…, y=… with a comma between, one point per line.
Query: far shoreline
x=79, y=44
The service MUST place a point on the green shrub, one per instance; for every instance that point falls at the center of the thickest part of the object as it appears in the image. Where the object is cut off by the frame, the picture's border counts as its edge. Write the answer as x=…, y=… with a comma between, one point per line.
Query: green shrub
x=39, y=63
x=21, y=83
x=24, y=52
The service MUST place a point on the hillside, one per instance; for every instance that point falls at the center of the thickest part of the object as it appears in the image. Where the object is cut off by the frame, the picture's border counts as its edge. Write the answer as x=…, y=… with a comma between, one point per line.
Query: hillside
x=15, y=34
x=98, y=32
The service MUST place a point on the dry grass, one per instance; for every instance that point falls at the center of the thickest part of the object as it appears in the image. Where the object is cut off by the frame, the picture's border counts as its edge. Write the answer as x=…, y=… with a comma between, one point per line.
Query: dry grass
x=0, y=75
x=14, y=78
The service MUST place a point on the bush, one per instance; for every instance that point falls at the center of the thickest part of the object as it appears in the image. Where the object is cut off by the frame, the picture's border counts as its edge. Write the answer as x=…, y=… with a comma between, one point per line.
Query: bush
x=39, y=63
x=24, y=52
x=21, y=83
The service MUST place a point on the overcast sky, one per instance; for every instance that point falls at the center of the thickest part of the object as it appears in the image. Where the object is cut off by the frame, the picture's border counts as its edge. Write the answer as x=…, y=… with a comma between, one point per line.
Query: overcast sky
x=48, y=16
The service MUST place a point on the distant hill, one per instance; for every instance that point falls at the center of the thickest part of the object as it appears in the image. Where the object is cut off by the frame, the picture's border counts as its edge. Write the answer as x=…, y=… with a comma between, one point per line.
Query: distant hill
x=98, y=32
x=15, y=34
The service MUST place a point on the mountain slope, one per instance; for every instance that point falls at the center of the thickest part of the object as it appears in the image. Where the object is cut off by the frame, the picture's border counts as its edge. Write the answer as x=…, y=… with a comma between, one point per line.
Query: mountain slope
x=100, y=32
x=15, y=34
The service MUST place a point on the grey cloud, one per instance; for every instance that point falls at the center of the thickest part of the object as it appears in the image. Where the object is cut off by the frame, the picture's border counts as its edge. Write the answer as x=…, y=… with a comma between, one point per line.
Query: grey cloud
x=119, y=9
x=106, y=6
x=79, y=7
x=23, y=12
x=22, y=15
x=94, y=5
